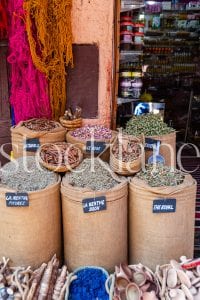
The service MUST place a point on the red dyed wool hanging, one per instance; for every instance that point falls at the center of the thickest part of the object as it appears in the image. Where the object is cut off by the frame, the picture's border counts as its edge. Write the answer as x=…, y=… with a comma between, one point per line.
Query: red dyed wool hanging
x=3, y=20
x=29, y=88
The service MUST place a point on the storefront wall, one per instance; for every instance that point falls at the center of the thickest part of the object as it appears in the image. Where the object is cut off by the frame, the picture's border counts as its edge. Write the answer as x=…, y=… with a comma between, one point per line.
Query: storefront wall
x=92, y=23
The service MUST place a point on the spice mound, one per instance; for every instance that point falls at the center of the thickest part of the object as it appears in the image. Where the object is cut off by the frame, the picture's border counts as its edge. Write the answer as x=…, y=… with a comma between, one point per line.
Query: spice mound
x=147, y=124
x=98, y=132
x=24, y=174
x=94, y=174
x=41, y=124
x=61, y=154
x=90, y=284
x=126, y=149
x=160, y=175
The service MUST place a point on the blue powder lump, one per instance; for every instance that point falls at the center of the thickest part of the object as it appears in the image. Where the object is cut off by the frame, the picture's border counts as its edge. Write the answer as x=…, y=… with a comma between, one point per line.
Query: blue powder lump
x=89, y=285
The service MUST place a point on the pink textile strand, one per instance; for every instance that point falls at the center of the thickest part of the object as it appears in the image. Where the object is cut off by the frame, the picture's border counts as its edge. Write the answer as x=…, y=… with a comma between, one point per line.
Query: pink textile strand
x=29, y=87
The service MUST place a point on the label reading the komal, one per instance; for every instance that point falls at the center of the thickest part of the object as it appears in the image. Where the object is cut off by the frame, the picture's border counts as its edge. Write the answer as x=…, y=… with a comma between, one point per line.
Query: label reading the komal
x=32, y=145
x=17, y=199
x=94, y=204
x=164, y=205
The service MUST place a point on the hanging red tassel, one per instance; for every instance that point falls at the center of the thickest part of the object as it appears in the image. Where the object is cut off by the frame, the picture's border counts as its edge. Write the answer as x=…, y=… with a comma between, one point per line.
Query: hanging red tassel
x=3, y=20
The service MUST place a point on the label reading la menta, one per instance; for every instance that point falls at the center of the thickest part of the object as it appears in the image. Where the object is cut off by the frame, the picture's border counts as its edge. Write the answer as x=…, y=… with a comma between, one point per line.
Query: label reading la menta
x=32, y=145
x=164, y=206
x=96, y=147
x=94, y=204
x=17, y=200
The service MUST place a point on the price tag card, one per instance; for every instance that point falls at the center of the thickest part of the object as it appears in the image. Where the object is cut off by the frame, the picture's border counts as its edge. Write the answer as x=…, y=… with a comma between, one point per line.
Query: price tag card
x=32, y=145
x=164, y=206
x=94, y=204
x=150, y=143
x=17, y=199
x=96, y=147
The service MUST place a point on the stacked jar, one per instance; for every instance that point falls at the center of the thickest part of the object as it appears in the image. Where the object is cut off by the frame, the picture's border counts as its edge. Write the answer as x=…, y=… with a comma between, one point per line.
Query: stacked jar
x=126, y=33
x=130, y=83
x=138, y=36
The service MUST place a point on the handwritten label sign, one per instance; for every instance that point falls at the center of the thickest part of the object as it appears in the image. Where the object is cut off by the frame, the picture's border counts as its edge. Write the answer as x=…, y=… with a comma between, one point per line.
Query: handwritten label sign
x=164, y=206
x=96, y=147
x=94, y=204
x=32, y=145
x=150, y=143
x=17, y=199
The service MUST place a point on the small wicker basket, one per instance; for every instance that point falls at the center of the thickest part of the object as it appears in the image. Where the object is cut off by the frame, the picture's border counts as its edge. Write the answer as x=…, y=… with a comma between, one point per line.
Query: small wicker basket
x=71, y=124
x=60, y=168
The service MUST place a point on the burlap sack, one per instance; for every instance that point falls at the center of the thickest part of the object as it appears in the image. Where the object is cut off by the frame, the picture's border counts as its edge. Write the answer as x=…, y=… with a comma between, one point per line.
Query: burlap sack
x=155, y=238
x=20, y=133
x=81, y=144
x=95, y=238
x=31, y=235
x=167, y=148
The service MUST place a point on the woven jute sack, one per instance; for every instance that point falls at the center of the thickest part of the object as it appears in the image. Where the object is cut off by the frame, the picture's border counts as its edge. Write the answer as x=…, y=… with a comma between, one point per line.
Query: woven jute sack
x=155, y=238
x=126, y=168
x=20, y=133
x=167, y=148
x=95, y=238
x=81, y=144
x=31, y=235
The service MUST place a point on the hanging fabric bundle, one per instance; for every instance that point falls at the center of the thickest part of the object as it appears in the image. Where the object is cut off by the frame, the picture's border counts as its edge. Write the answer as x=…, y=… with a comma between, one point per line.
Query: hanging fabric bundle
x=29, y=89
x=3, y=20
x=51, y=47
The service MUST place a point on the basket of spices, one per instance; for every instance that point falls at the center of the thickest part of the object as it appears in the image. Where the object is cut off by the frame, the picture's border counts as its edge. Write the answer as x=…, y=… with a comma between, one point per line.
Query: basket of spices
x=27, y=136
x=60, y=157
x=30, y=212
x=161, y=215
x=94, y=139
x=72, y=120
x=126, y=155
x=94, y=207
x=156, y=132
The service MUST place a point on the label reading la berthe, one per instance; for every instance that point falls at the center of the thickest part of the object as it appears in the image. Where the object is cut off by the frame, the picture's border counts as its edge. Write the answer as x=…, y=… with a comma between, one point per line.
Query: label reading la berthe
x=94, y=204
x=17, y=199
x=164, y=206
x=150, y=143
x=96, y=147
x=32, y=144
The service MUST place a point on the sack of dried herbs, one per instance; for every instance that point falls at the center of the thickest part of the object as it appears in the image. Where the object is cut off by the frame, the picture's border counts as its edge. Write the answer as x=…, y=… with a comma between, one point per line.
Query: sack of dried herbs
x=153, y=127
x=161, y=215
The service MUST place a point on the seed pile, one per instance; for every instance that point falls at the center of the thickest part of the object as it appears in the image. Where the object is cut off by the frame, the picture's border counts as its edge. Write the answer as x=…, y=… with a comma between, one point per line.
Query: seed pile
x=161, y=175
x=47, y=282
x=24, y=175
x=126, y=150
x=92, y=174
x=97, y=132
x=90, y=284
x=41, y=124
x=61, y=154
x=147, y=124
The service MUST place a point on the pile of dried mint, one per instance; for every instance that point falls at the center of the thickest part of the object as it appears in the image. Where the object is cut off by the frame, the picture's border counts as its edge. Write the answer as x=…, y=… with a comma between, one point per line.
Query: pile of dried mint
x=93, y=174
x=25, y=175
x=147, y=124
x=160, y=175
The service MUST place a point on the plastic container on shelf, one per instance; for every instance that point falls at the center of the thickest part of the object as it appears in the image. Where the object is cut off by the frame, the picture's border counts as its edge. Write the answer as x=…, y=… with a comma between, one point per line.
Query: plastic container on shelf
x=126, y=26
x=138, y=27
x=124, y=46
x=126, y=36
x=138, y=40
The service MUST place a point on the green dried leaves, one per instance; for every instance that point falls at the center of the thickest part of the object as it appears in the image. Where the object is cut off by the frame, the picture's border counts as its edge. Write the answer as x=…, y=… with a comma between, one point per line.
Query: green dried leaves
x=147, y=124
